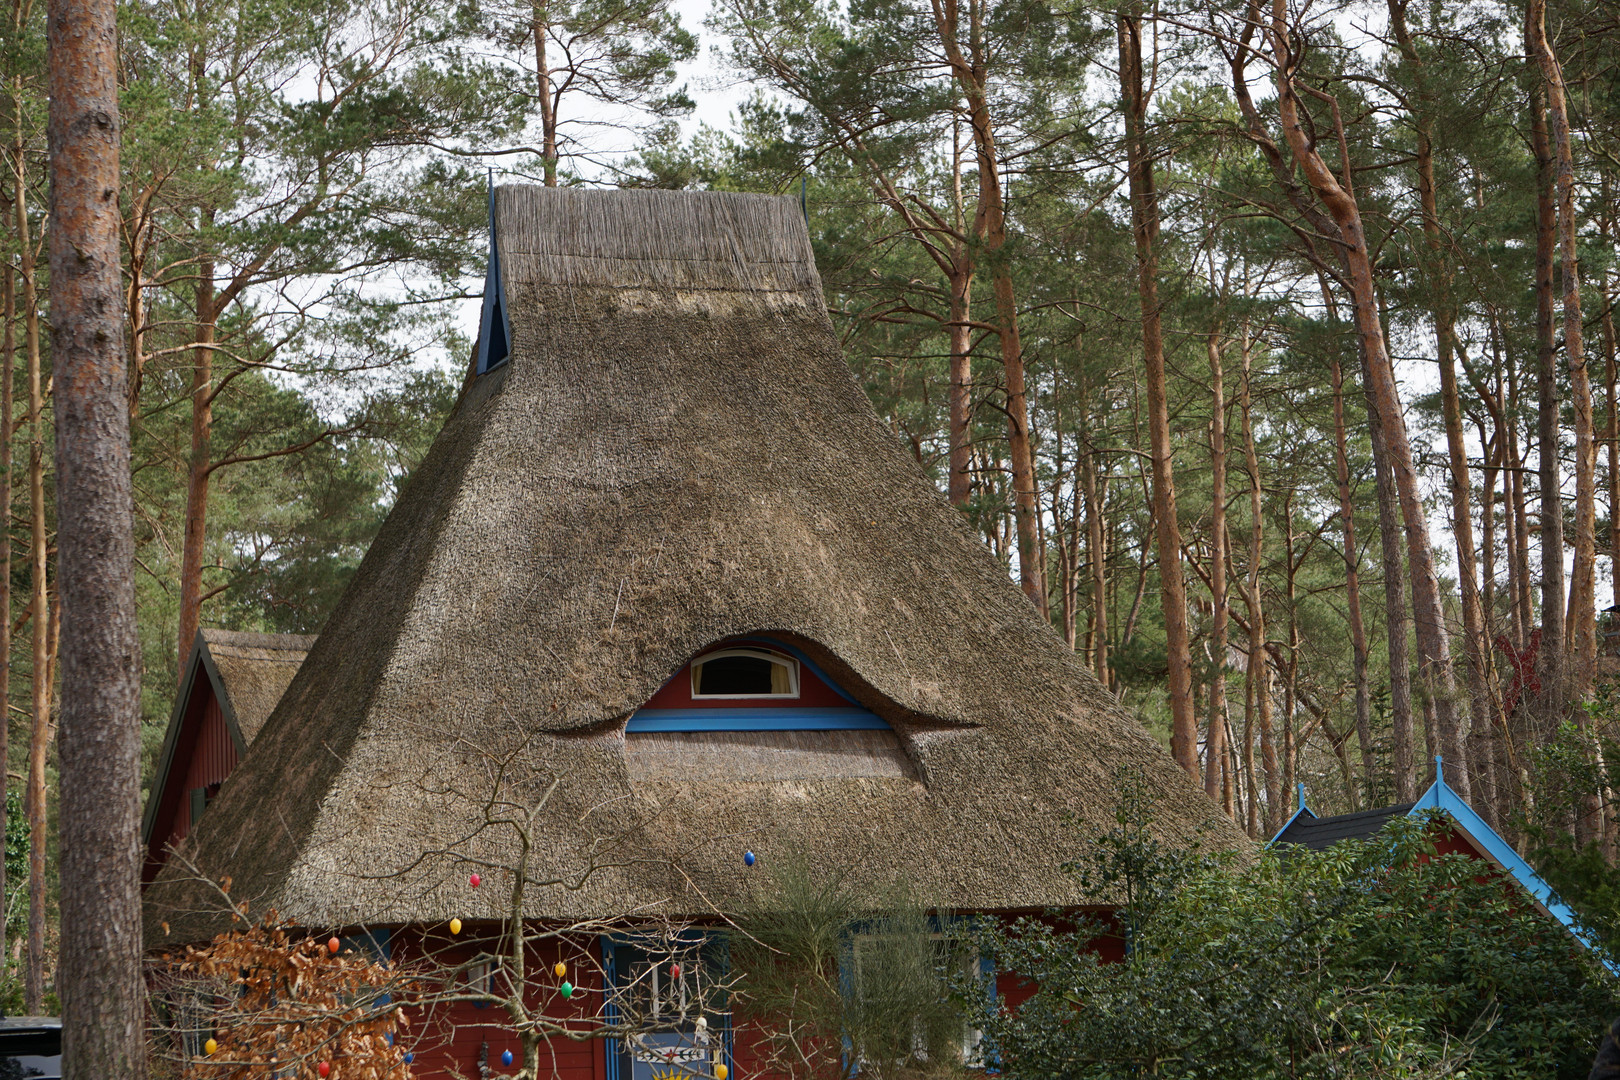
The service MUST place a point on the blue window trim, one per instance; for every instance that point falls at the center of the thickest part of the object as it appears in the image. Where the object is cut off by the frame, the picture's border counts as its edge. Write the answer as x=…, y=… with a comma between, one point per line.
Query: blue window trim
x=494, y=303
x=755, y=720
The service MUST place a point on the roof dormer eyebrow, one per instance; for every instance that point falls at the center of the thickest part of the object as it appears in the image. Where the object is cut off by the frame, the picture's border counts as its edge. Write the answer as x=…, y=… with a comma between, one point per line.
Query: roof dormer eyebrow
x=494, y=327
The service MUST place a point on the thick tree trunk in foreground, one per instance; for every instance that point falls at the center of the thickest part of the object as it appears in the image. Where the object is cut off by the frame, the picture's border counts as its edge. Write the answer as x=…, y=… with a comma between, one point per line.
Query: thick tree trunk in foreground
x=1145, y=219
x=103, y=1003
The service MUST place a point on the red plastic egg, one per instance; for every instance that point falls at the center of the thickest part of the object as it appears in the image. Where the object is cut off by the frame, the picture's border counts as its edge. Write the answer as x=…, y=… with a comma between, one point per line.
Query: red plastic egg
x=332, y=947
x=324, y=1067
x=474, y=880
x=674, y=971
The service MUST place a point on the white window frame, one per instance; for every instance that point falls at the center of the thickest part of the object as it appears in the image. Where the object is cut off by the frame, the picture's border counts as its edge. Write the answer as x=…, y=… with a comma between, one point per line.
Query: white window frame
x=753, y=653
x=971, y=1048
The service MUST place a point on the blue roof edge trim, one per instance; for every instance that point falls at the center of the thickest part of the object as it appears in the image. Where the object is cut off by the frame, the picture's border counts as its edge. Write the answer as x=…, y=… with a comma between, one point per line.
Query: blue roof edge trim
x=1303, y=809
x=693, y=720
x=1441, y=797
x=494, y=298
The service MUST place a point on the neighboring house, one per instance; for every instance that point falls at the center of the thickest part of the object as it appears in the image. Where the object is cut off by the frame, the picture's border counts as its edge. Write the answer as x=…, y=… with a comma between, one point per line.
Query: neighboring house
x=1468, y=834
x=231, y=684
x=664, y=554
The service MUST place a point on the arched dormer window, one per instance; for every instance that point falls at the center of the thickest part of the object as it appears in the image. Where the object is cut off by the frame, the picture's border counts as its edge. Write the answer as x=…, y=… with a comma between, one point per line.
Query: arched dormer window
x=744, y=672
x=752, y=683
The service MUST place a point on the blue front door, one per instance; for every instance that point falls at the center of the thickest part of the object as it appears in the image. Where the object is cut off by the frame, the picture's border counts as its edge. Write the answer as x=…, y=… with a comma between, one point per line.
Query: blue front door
x=669, y=1001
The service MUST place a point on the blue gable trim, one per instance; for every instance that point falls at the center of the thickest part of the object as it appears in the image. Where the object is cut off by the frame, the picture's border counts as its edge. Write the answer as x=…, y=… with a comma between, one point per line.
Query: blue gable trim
x=494, y=327
x=1441, y=797
x=1301, y=809
x=1485, y=839
x=755, y=720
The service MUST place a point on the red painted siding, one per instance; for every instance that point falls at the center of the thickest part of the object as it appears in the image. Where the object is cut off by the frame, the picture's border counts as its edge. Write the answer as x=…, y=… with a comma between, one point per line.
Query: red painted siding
x=204, y=755
x=447, y=1041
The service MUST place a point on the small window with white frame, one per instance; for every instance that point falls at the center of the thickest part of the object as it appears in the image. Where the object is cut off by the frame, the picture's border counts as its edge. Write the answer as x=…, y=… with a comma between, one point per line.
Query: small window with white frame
x=744, y=671
x=880, y=961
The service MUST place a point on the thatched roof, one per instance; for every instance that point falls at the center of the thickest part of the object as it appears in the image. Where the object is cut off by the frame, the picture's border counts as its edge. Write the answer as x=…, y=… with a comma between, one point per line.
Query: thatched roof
x=674, y=454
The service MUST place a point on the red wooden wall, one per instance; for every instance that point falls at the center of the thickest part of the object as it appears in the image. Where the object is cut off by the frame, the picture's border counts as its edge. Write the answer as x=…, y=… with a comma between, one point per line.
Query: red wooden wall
x=446, y=1042
x=204, y=755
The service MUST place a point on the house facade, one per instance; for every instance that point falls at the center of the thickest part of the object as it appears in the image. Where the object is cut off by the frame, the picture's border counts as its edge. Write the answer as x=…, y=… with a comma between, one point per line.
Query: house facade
x=666, y=604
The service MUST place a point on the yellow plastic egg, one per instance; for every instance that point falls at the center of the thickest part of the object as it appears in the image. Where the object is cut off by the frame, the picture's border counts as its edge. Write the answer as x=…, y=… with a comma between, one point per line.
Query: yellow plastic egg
x=455, y=926
x=721, y=1072
x=210, y=1046
x=561, y=969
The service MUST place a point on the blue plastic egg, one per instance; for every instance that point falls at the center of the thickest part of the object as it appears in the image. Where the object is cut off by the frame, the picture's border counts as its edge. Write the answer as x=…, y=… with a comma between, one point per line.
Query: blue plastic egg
x=748, y=858
x=506, y=1057
x=409, y=1057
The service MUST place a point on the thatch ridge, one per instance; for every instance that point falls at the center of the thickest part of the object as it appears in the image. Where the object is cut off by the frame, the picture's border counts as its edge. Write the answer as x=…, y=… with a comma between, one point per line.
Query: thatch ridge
x=675, y=454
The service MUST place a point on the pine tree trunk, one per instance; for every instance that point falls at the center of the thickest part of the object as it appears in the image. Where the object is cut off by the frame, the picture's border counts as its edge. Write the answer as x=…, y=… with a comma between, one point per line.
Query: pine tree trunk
x=1215, y=737
x=1550, y=658
x=1580, y=620
x=198, y=469
x=103, y=1000
x=1145, y=220
x=1097, y=555
x=1403, y=758
x=1352, y=587
x=1259, y=668
x=40, y=729
x=1434, y=649
x=8, y=351
x=546, y=93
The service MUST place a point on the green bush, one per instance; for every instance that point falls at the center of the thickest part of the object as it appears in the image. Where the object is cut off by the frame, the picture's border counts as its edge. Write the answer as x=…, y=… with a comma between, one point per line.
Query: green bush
x=1373, y=959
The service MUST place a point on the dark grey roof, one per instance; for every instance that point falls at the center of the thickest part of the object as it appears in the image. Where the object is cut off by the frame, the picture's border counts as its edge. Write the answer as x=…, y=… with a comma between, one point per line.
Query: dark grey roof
x=1319, y=834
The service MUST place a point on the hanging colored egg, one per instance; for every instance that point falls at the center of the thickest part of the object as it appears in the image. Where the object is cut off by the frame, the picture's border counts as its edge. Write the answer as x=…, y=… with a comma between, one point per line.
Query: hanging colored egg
x=409, y=1057
x=561, y=969
x=567, y=989
x=455, y=926
x=324, y=1067
x=209, y=1047
x=748, y=858
x=721, y=1072
x=506, y=1057
x=474, y=880
x=674, y=971
x=333, y=946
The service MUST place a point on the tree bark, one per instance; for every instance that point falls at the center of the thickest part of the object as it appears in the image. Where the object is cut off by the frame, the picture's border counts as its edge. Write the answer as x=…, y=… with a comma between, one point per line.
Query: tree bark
x=8, y=351
x=547, y=94
x=971, y=72
x=1258, y=690
x=1145, y=221
x=1434, y=649
x=1097, y=555
x=199, y=466
x=1215, y=737
x=103, y=1000
x=1550, y=658
x=1581, y=617
x=40, y=728
x=1443, y=312
x=1352, y=587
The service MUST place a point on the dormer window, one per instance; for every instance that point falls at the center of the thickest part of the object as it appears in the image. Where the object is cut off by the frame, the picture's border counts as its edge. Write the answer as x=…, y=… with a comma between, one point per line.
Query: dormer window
x=744, y=672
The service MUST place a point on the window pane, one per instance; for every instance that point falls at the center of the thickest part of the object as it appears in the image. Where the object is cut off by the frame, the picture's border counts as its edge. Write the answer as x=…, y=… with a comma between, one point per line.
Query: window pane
x=736, y=675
